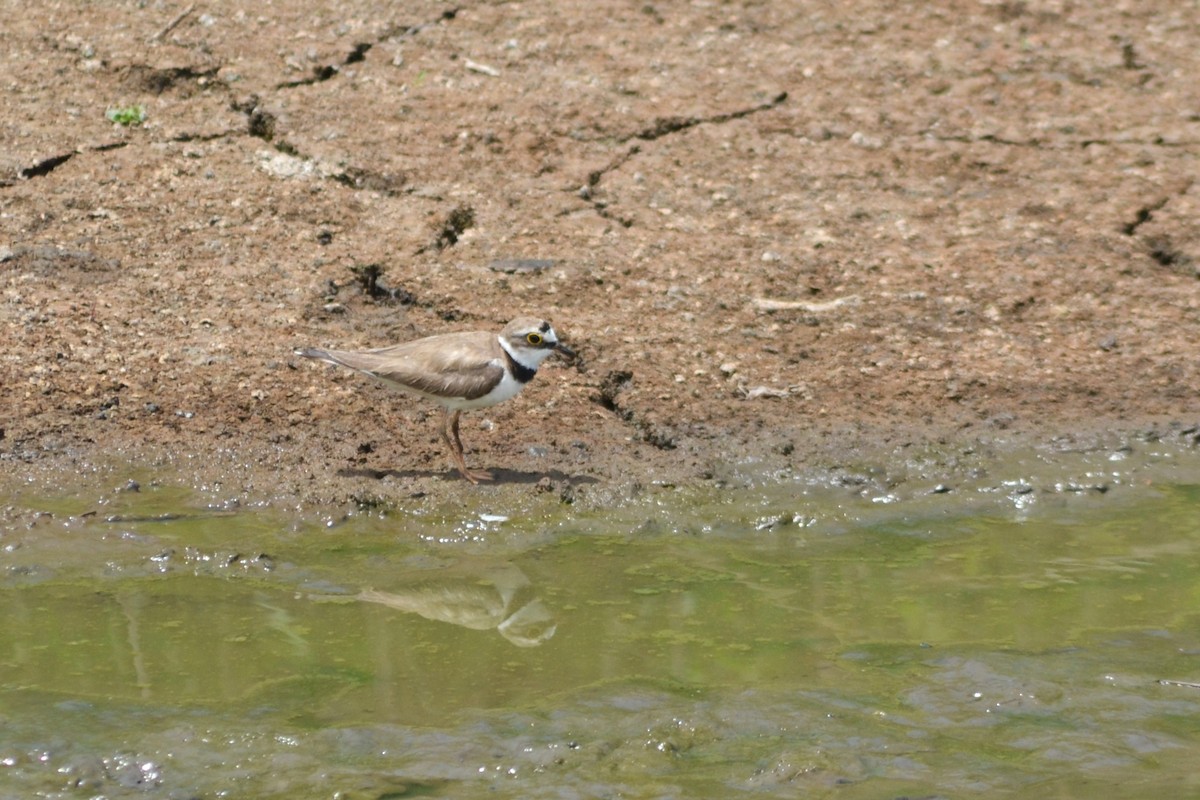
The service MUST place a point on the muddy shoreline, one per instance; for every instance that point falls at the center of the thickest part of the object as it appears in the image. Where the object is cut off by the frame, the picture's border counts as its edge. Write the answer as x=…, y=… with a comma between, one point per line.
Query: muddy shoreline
x=785, y=237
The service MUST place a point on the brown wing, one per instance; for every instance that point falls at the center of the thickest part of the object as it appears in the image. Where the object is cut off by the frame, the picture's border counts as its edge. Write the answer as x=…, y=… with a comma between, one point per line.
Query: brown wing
x=455, y=364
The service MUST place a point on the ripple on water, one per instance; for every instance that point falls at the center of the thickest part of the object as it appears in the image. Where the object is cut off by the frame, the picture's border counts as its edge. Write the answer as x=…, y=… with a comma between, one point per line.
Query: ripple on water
x=791, y=638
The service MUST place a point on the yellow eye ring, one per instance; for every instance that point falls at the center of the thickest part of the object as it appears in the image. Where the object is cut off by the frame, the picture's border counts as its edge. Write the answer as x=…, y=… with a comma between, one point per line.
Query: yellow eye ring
x=534, y=339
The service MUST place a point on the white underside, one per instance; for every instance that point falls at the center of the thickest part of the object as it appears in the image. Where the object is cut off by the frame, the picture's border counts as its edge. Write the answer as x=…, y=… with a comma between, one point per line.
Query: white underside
x=506, y=389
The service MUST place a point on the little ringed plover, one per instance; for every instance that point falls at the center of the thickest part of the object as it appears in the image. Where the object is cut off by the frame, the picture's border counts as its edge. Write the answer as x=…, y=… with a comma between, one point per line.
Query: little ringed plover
x=458, y=371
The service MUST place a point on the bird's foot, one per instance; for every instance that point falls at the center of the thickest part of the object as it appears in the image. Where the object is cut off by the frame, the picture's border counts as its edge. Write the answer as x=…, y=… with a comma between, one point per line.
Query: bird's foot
x=476, y=475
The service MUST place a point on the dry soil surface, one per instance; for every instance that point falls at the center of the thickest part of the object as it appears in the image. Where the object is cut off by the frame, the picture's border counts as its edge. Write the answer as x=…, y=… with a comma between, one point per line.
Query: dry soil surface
x=789, y=234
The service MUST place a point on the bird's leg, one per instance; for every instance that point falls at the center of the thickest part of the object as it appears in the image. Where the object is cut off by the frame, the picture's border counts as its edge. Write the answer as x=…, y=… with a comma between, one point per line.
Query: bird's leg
x=454, y=442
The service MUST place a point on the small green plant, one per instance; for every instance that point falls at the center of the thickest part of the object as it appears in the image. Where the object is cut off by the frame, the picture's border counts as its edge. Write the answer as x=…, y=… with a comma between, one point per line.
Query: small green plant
x=127, y=116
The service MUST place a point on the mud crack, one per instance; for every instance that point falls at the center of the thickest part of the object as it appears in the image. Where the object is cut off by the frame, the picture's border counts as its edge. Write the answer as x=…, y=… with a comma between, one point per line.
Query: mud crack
x=1160, y=246
x=1165, y=253
x=612, y=386
x=47, y=165
x=264, y=125
x=1144, y=215
x=325, y=72
x=663, y=126
x=406, y=31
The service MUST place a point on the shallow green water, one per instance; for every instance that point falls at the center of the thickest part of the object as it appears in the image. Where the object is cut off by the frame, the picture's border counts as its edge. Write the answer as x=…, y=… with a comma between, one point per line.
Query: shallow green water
x=797, y=639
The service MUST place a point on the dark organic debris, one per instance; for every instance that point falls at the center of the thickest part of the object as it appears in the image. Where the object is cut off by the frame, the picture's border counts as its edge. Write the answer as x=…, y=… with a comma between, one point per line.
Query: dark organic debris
x=319, y=75
x=367, y=276
x=611, y=386
x=260, y=122
x=514, y=265
x=359, y=53
x=383, y=182
x=452, y=228
x=1129, y=58
x=1163, y=251
x=158, y=80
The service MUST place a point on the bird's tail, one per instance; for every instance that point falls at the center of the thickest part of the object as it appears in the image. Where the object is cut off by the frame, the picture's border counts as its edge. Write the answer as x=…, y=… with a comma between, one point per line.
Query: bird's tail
x=362, y=362
x=313, y=353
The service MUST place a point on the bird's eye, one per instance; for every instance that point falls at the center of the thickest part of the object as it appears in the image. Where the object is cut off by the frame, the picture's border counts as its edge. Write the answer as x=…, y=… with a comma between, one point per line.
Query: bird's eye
x=534, y=339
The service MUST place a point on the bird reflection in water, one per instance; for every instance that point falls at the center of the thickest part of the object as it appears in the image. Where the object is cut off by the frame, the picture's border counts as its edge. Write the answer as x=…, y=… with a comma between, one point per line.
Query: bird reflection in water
x=475, y=595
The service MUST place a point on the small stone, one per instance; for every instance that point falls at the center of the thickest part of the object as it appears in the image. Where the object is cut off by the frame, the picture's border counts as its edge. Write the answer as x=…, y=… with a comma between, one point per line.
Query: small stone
x=860, y=139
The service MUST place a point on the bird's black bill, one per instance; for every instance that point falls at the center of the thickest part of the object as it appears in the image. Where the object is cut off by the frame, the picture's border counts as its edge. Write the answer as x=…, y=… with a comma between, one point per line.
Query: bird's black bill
x=566, y=351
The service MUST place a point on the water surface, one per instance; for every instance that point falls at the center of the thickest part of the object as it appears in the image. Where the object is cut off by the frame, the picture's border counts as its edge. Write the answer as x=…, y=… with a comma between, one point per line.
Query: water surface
x=1009, y=635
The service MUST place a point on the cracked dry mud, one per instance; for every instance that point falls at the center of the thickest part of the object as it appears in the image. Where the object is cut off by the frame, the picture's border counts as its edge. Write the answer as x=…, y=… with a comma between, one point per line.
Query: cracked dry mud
x=796, y=233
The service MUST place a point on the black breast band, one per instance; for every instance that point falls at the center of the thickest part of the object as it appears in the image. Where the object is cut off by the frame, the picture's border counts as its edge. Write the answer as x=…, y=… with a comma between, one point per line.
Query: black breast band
x=522, y=373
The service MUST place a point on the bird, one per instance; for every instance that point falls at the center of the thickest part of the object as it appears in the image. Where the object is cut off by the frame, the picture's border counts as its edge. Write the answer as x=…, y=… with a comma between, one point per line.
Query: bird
x=458, y=371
